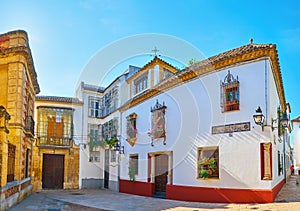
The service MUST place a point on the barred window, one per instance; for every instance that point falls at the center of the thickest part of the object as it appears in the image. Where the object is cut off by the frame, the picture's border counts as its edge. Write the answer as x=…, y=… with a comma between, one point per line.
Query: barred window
x=230, y=99
x=95, y=107
x=134, y=162
x=11, y=163
x=55, y=125
x=94, y=156
x=113, y=156
x=141, y=83
x=208, y=162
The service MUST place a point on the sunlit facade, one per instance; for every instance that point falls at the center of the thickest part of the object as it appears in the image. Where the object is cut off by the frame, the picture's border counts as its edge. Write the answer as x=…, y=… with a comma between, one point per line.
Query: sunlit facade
x=193, y=131
x=56, y=150
x=18, y=89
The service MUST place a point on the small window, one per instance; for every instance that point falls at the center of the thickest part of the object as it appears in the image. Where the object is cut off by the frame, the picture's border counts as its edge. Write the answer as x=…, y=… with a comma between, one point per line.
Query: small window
x=11, y=163
x=208, y=162
x=27, y=163
x=95, y=107
x=141, y=83
x=94, y=136
x=94, y=156
x=167, y=73
x=279, y=163
x=230, y=99
x=113, y=156
x=134, y=163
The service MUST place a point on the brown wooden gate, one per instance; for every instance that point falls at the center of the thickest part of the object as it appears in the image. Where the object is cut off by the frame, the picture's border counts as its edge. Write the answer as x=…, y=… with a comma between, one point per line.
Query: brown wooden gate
x=53, y=171
x=161, y=173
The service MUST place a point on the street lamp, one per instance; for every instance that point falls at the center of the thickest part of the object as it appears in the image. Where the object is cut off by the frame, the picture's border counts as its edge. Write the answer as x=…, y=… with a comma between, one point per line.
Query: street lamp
x=259, y=118
x=284, y=120
x=119, y=147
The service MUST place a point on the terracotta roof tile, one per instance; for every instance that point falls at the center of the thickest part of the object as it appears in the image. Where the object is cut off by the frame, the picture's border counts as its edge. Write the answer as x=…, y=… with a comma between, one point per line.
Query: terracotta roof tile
x=215, y=63
x=59, y=99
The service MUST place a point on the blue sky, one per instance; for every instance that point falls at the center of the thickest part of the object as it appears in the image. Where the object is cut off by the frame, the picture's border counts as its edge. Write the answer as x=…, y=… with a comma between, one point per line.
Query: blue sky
x=65, y=35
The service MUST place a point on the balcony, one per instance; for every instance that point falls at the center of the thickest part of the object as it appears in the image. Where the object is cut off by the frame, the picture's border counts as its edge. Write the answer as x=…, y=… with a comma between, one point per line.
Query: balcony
x=232, y=105
x=29, y=125
x=50, y=142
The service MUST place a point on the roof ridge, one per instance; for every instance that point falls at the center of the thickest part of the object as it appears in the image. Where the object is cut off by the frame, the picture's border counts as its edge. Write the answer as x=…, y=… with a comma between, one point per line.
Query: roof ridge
x=58, y=98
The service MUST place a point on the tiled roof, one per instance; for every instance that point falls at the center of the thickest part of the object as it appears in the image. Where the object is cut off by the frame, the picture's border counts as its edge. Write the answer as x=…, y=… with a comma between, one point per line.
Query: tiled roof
x=149, y=63
x=23, y=49
x=58, y=99
x=93, y=88
x=235, y=56
x=296, y=119
x=131, y=71
x=231, y=53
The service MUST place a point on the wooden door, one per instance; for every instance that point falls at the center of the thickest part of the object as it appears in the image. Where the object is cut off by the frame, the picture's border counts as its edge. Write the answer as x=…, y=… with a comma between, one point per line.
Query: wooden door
x=161, y=173
x=53, y=171
x=106, y=169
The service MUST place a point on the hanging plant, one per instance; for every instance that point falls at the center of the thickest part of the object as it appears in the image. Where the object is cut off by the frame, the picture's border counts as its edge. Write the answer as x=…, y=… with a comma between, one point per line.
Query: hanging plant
x=207, y=166
x=280, y=127
x=93, y=143
x=111, y=142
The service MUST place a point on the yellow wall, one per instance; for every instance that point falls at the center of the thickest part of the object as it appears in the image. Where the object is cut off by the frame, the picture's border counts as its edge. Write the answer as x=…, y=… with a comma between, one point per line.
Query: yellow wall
x=71, y=166
x=18, y=84
x=71, y=154
x=3, y=85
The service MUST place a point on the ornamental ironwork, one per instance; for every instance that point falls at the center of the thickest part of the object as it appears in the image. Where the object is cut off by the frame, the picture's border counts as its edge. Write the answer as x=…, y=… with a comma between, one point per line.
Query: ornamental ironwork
x=230, y=93
x=158, y=129
x=131, y=129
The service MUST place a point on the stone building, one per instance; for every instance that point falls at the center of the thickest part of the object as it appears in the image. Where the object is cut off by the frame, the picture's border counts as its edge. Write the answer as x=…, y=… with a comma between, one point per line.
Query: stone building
x=18, y=89
x=56, y=156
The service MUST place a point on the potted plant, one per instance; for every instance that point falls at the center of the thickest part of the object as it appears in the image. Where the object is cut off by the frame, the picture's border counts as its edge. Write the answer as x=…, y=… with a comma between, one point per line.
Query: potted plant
x=207, y=166
x=131, y=173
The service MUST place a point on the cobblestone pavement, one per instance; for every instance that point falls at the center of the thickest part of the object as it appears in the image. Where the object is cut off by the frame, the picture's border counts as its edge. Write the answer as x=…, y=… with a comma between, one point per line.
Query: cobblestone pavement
x=61, y=200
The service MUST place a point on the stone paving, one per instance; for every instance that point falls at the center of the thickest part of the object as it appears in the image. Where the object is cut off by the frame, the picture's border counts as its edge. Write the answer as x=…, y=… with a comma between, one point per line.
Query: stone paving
x=93, y=200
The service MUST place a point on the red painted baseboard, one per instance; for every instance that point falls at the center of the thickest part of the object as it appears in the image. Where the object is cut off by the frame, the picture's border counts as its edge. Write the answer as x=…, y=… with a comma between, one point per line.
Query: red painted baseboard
x=222, y=195
x=201, y=194
x=136, y=187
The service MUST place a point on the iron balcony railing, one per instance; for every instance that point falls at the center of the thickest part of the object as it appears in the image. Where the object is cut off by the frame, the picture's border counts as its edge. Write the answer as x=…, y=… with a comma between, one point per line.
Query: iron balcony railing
x=54, y=141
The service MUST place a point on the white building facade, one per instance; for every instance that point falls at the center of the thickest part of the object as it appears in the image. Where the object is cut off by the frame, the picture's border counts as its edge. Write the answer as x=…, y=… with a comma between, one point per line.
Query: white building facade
x=190, y=134
x=98, y=162
x=296, y=132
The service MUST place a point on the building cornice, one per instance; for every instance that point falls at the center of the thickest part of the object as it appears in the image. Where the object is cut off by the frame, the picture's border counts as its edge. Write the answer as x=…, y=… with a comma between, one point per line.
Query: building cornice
x=57, y=99
x=215, y=64
x=296, y=119
x=20, y=49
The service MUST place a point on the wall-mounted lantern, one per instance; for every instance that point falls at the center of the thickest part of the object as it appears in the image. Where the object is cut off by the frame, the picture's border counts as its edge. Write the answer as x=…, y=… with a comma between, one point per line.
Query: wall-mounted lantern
x=259, y=119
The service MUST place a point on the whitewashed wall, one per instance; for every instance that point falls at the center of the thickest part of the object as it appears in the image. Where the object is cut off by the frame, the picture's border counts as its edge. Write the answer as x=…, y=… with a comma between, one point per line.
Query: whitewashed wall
x=273, y=104
x=192, y=109
x=88, y=170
